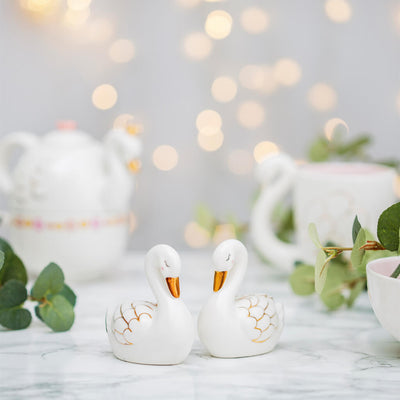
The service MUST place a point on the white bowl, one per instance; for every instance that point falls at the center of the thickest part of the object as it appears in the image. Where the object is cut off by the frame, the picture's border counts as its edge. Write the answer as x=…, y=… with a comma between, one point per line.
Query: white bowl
x=384, y=293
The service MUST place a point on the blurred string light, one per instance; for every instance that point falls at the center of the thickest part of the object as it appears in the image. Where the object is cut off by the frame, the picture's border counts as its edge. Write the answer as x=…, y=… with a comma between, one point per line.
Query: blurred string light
x=165, y=157
x=197, y=46
x=322, y=97
x=78, y=5
x=76, y=18
x=195, y=235
x=122, y=51
x=250, y=114
x=264, y=149
x=333, y=126
x=210, y=142
x=188, y=3
x=254, y=20
x=338, y=10
x=99, y=30
x=224, y=89
x=104, y=96
x=208, y=122
x=287, y=72
x=218, y=24
x=129, y=123
x=40, y=8
x=258, y=77
x=240, y=162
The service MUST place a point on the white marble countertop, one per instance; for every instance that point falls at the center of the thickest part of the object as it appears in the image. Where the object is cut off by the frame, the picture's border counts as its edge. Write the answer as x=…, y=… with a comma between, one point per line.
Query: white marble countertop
x=343, y=355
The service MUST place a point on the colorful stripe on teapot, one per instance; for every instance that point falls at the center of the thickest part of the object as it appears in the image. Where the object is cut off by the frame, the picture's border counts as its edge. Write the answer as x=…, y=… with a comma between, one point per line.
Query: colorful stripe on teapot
x=93, y=223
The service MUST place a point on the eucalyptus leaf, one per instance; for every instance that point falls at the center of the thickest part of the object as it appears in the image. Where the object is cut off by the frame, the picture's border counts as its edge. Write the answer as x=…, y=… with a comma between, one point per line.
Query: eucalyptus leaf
x=355, y=292
x=356, y=228
x=12, y=293
x=331, y=294
x=357, y=254
x=58, y=314
x=205, y=218
x=302, y=280
x=319, y=150
x=389, y=226
x=37, y=312
x=13, y=268
x=49, y=281
x=15, y=318
x=68, y=293
x=396, y=272
x=321, y=270
x=313, y=234
x=5, y=247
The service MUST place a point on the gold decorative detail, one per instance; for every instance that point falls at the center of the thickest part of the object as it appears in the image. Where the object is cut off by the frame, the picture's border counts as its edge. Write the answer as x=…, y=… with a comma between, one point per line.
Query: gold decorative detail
x=261, y=308
x=134, y=166
x=132, y=129
x=173, y=286
x=219, y=279
x=121, y=315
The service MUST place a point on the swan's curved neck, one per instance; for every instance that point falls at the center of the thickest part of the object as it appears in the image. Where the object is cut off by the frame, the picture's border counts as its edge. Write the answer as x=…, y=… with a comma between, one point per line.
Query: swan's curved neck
x=158, y=285
x=236, y=274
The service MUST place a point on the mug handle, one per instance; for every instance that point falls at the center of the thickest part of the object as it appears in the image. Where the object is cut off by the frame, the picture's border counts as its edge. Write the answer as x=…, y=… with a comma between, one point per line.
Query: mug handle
x=12, y=142
x=276, y=175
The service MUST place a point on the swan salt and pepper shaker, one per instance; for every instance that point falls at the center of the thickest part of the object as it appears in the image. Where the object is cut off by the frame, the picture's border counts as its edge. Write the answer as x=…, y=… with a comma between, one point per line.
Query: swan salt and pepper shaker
x=232, y=327
x=147, y=333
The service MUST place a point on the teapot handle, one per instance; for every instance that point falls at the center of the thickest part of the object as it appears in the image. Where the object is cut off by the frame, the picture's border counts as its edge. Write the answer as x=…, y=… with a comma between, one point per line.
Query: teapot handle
x=10, y=143
x=276, y=175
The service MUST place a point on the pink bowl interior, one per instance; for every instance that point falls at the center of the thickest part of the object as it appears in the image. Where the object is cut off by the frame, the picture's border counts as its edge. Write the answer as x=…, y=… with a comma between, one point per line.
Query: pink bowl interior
x=385, y=266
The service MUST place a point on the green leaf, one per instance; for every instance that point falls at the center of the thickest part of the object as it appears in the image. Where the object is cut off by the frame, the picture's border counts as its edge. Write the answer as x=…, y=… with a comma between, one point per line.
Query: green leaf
x=312, y=232
x=332, y=295
x=396, y=272
x=58, y=314
x=13, y=268
x=319, y=150
x=321, y=270
x=302, y=280
x=5, y=247
x=389, y=226
x=205, y=218
x=374, y=255
x=355, y=292
x=356, y=228
x=357, y=254
x=49, y=281
x=15, y=318
x=12, y=293
x=37, y=312
x=68, y=293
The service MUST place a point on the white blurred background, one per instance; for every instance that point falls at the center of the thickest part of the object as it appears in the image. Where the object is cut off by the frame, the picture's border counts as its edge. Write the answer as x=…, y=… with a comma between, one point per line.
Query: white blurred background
x=270, y=71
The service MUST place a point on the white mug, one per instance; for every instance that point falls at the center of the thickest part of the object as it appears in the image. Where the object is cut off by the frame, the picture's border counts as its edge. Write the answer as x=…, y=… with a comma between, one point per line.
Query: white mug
x=328, y=194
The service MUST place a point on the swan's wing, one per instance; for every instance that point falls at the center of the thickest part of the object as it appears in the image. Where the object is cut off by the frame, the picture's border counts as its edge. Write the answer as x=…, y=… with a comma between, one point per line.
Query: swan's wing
x=131, y=318
x=259, y=316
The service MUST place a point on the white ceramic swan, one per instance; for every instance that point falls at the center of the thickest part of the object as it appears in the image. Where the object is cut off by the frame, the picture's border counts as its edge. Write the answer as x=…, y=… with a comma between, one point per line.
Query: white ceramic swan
x=241, y=327
x=147, y=333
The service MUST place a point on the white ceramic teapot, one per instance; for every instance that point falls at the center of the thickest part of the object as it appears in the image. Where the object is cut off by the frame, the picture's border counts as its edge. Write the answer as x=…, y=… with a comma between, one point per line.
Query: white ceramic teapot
x=69, y=198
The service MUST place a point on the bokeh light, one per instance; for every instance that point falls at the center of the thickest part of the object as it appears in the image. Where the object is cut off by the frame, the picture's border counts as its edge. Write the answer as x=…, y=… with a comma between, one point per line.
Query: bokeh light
x=224, y=89
x=104, y=96
x=251, y=114
x=129, y=123
x=99, y=30
x=133, y=223
x=188, y=3
x=208, y=122
x=196, y=236
x=224, y=232
x=287, y=72
x=210, y=142
x=251, y=77
x=264, y=149
x=335, y=126
x=78, y=5
x=76, y=18
x=40, y=8
x=322, y=97
x=122, y=51
x=218, y=24
x=240, y=162
x=254, y=20
x=338, y=10
x=197, y=46
x=165, y=157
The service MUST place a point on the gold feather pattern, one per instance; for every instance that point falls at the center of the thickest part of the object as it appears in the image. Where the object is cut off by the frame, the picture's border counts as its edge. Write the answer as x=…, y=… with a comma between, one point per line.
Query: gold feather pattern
x=130, y=317
x=260, y=316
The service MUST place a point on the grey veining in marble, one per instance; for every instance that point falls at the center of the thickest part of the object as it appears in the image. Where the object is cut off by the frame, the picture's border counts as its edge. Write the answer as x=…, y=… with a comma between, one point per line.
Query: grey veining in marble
x=343, y=355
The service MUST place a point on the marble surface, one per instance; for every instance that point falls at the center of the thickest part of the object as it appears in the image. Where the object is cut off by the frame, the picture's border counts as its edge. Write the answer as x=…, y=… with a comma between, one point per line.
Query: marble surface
x=343, y=355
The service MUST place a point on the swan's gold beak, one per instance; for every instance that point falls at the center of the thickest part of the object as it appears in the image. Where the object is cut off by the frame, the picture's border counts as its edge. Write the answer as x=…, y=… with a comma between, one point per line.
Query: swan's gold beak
x=173, y=286
x=219, y=279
